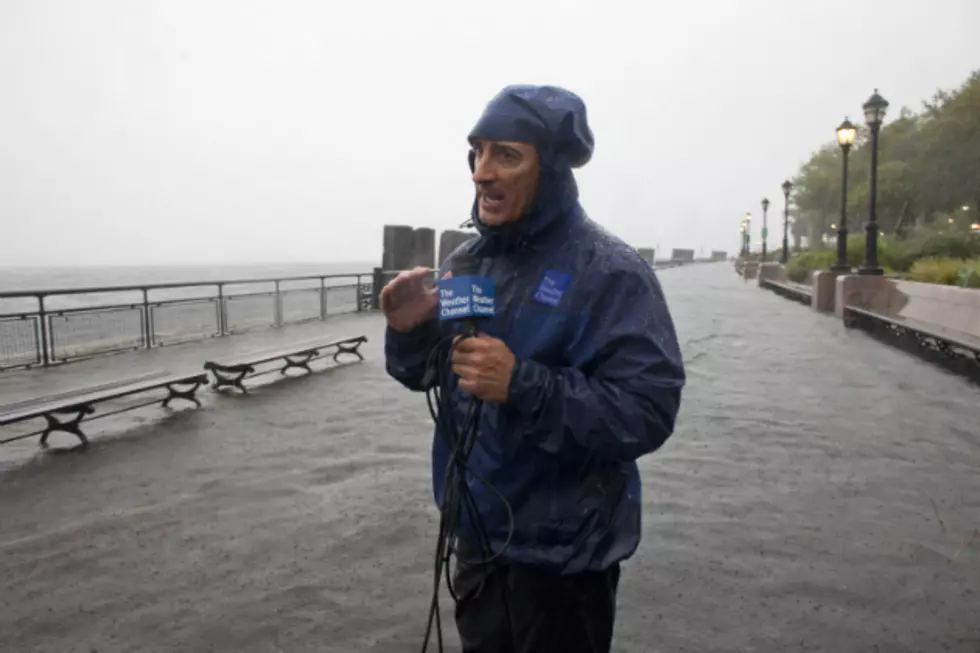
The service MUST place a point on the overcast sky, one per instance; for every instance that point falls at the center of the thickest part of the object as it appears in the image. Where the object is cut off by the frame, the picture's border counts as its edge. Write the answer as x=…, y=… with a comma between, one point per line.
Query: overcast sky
x=201, y=131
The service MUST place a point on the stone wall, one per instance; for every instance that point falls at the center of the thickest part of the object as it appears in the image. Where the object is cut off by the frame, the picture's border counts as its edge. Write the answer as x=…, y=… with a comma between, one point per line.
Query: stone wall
x=770, y=271
x=946, y=307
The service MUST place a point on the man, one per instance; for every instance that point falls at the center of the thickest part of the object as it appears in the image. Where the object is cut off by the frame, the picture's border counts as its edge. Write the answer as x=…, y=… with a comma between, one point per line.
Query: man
x=579, y=371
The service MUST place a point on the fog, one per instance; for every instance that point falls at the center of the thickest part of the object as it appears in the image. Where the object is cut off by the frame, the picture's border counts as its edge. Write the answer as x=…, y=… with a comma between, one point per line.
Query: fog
x=210, y=131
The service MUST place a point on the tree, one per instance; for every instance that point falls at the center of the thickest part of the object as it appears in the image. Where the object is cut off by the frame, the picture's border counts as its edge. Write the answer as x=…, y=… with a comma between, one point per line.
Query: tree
x=928, y=166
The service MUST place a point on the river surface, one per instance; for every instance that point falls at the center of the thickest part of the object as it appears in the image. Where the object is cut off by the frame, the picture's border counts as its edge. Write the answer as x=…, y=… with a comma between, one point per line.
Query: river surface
x=821, y=493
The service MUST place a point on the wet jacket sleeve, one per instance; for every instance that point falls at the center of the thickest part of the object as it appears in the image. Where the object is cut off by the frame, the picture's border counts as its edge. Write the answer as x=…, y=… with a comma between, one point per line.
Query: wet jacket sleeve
x=619, y=398
x=407, y=354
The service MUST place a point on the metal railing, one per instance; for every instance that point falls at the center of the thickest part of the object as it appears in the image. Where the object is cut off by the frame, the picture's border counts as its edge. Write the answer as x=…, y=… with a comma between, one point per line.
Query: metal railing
x=46, y=327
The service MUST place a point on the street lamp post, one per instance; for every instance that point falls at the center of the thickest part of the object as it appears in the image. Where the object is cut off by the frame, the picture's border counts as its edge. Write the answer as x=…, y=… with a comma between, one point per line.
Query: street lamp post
x=846, y=134
x=765, y=227
x=874, y=115
x=787, y=187
x=741, y=238
x=748, y=233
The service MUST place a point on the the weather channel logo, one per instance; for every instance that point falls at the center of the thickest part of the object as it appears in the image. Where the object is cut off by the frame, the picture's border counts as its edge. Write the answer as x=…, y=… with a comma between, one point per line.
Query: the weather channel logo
x=463, y=297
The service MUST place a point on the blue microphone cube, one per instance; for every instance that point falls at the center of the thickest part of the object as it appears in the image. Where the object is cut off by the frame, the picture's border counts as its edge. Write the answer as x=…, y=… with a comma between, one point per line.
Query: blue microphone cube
x=465, y=297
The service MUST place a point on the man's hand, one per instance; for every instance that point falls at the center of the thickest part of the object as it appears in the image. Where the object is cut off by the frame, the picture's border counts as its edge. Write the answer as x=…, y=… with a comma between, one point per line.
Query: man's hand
x=484, y=366
x=409, y=300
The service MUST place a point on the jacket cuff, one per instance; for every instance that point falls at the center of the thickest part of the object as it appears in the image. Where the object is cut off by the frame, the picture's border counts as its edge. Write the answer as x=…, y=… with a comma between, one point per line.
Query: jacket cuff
x=527, y=382
x=416, y=336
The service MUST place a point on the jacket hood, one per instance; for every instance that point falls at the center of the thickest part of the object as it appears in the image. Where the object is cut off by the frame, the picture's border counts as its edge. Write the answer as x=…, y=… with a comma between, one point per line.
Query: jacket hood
x=553, y=120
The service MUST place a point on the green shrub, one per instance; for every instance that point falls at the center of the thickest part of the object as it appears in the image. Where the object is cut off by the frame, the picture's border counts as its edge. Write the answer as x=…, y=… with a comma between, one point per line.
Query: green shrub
x=946, y=271
x=948, y=245
x=893, y=254
x=896, y=254
x=969, y=275
x=800, y=264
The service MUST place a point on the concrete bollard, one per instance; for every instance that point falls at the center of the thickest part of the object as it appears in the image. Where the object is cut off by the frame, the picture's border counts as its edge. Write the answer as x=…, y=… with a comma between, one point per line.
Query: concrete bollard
x=449, y=240
x=406, y=248
x=647, y=254
x=682, y=255
x=824, y=290
x=377, y=283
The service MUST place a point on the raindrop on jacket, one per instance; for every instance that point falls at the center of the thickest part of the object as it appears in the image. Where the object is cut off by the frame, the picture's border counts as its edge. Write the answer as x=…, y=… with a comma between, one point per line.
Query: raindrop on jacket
x=599, y=375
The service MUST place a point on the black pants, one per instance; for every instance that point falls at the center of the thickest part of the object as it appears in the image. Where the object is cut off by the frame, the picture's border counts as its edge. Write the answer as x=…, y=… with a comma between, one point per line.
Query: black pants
x=508, y=608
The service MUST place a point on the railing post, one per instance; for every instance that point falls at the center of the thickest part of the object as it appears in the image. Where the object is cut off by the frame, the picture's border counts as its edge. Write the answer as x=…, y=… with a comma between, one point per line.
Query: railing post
x=278, y=305
x=359, y=302
x=379, y=278
x=147, y=319
x=323, y=298
x=43, y=316
x=222, y=317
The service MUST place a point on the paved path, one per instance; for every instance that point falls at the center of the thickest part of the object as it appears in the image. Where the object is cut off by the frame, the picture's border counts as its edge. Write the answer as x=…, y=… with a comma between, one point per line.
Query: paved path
x=820, y=494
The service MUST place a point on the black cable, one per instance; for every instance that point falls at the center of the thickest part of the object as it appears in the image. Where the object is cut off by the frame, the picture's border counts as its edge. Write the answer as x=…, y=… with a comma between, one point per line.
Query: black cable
x=460, y=441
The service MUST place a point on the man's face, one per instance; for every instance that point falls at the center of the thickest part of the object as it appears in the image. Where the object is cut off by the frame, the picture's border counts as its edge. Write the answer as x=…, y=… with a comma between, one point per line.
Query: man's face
x=506, y=179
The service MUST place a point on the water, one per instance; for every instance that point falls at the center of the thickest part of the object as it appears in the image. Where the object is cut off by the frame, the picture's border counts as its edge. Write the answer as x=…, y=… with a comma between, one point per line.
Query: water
x=67, y=278
x=123, y=324
x=819, y=494
x=33, y=278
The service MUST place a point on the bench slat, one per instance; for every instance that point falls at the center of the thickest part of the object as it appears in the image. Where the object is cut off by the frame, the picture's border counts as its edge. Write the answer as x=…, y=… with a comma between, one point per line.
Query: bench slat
x=297, y=355
x=35, y=401
x=268, y=355
x=97, y=394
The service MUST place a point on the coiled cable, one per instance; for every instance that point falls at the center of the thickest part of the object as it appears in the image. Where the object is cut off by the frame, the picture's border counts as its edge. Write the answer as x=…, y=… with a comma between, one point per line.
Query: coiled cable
x=460, y=439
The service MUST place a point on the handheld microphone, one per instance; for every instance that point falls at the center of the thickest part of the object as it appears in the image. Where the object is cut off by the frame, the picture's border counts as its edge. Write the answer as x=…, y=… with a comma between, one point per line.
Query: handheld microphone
x=465, y=295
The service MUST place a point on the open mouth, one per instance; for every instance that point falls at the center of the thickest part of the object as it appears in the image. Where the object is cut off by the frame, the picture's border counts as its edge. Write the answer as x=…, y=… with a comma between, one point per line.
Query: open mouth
x=492, y=198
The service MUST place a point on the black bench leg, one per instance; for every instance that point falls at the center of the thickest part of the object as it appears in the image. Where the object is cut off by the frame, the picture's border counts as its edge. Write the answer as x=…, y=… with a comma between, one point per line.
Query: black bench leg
x=72, y=425
x=233, y=378
x=301, y=361
x=177, y=393
x=348, y=349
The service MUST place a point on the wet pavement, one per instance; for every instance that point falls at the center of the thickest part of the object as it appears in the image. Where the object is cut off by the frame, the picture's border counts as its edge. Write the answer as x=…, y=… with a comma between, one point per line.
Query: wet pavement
x=821, y=493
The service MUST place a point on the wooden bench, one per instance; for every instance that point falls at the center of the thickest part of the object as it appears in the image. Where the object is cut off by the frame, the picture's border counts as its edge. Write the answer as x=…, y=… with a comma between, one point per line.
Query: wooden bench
x=81, y=403
x=299, y=355
x=795, y=291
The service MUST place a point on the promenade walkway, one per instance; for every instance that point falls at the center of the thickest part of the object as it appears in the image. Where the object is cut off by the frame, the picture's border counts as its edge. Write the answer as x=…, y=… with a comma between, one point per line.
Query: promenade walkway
x=821, y=493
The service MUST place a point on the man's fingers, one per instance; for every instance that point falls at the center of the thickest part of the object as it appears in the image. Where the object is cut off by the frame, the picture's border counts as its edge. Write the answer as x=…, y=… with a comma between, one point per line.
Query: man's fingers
x=405, y=282
x=470, y=345
x=418, y=273
x=408, y=276
x=465, y=371
x=465, y=358
x=468, y=386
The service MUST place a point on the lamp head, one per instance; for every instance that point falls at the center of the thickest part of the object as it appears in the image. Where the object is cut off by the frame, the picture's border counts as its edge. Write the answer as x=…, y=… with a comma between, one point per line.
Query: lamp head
x=874, y=110
x=846, y=134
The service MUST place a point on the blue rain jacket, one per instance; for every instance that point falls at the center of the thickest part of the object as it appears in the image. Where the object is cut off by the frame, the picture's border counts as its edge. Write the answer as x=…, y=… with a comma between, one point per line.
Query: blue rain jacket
x=599, y=375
